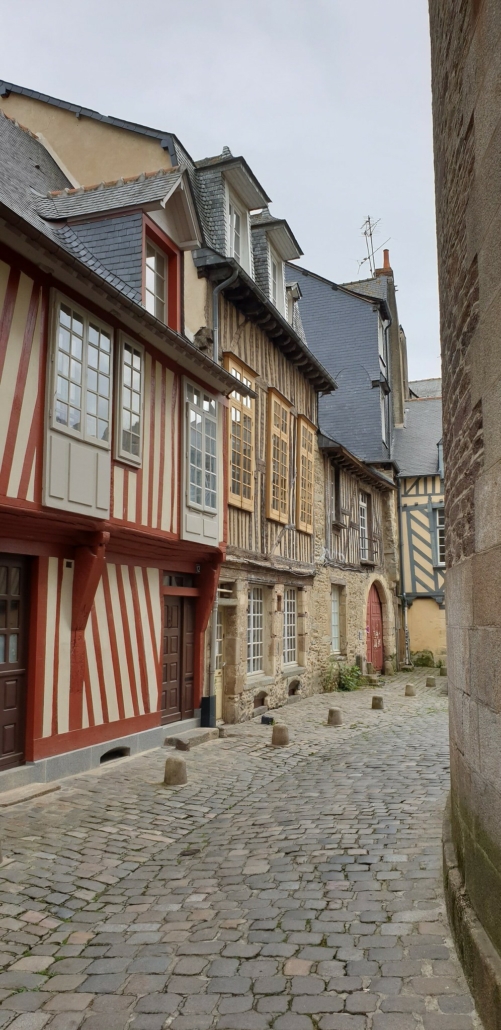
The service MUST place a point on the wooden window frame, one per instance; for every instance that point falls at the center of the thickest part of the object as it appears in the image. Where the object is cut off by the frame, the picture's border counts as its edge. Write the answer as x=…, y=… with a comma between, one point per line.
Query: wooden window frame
x=121, y=454
x=246, y=408
x=255, y=630
x=159, y=239
x=302, y=453
x=207, y=418
x=290, y=634
x=57, y=301
x=283, y=437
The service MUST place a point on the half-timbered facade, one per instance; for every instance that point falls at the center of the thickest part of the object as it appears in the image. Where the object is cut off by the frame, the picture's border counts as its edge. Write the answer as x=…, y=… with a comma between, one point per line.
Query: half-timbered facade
x=418, y=448
x=112, y=457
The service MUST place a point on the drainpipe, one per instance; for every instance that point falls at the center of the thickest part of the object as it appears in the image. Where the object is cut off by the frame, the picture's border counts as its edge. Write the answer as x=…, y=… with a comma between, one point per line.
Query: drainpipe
x=208, y=710
x=402, y=584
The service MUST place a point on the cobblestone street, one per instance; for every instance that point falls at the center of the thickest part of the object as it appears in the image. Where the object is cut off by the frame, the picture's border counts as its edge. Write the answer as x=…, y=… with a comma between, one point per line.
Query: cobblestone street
x=293, y=888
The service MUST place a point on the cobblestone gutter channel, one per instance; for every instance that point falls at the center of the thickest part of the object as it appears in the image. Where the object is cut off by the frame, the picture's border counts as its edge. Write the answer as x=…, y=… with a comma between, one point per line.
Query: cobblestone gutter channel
x=295, y=888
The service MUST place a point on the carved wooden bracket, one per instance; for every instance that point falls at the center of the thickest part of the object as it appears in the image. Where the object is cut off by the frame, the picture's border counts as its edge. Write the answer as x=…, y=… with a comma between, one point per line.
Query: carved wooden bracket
x=89, y=563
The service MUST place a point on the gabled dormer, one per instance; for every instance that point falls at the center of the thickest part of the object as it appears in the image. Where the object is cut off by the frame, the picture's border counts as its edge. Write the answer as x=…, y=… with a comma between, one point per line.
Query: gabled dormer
x=229, y=192
x=273, y=244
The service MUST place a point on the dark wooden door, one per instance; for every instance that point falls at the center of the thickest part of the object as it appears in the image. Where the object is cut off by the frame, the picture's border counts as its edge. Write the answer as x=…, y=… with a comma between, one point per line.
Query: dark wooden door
x=13, y=657
x=178, y=652
x=375, y=630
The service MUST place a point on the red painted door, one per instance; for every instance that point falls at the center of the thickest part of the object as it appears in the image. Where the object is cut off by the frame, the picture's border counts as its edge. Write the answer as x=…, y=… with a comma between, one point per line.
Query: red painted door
x=177, y=667
x=13, y=634
x=375, y=630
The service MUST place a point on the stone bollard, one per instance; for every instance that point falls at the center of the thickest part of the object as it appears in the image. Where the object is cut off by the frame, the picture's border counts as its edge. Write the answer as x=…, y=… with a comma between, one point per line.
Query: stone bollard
x=280, y=736
x=444, y=689
x=377, y=702
x=443, y=670
x=335, y=717
x=430, y=681
x=410, y=690
x=175, y=772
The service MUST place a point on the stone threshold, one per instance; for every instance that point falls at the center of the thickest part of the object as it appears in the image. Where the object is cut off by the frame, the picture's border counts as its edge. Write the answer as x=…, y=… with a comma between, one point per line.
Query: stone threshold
x=478, y=956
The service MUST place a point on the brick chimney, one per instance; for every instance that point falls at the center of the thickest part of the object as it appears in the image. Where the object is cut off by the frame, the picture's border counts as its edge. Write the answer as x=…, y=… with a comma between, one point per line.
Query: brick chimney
x=386, y=269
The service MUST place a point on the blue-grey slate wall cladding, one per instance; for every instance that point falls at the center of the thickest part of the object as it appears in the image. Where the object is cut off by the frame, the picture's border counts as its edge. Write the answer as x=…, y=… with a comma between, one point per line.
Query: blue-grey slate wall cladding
x=342, y=331
x=117, y=243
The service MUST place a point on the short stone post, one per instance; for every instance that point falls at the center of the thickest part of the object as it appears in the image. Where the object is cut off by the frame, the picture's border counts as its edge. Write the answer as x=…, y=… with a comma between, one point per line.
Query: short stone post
x=430, y=681
x=280, y=736
x=335, y=717
x=410, y=690
x=175, y=772
x=377, y=702
x=443, y=670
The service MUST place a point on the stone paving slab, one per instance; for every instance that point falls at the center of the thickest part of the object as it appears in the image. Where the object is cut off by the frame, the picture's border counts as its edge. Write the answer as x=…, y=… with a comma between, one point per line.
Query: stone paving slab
x=291, y=888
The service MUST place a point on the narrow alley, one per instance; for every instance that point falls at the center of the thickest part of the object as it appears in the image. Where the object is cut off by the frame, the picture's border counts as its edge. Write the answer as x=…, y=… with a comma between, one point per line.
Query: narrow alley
x=293, y=888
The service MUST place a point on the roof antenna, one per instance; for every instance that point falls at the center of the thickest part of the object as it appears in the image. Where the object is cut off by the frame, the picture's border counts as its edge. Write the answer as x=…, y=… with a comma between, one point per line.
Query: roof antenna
x=368, y=229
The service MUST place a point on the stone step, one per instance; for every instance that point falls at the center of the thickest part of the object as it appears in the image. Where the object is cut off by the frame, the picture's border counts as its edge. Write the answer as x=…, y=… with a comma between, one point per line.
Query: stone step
x=32, y=790
x=191, y=738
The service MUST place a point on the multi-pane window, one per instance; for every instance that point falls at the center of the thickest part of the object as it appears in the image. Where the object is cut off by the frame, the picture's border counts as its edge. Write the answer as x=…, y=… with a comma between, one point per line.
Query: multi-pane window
x=305, y=452
x=278, y=460
x=255, y=636
x=364, y=526
x=131, y=416
x=235, y=231
x=156, y=282
x=241, y=440
x=290, y=626
x=83, y=375
x=202, y=449
x=335, y=634
x=384, y=417
x=441, y=535
x=10, y=613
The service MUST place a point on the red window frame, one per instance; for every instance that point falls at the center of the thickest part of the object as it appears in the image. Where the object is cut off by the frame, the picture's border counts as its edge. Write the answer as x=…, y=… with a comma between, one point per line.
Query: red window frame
x=172, y=254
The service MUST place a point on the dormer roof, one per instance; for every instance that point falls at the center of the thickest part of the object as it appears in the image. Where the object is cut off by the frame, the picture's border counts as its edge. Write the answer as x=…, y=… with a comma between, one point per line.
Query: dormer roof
x=239, y=176
x=279, y=234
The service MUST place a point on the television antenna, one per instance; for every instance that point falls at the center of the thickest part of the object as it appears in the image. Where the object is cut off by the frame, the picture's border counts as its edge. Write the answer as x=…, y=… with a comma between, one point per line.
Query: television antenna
x=368, y=229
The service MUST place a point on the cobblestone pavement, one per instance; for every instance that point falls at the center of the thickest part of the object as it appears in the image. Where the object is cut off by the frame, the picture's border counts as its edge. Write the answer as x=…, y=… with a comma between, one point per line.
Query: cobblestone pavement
x=289, y=888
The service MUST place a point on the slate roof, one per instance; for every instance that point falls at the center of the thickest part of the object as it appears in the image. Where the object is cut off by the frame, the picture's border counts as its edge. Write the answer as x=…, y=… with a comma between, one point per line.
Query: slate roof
x=86, y=200
x=426, y=387
x=415, y=447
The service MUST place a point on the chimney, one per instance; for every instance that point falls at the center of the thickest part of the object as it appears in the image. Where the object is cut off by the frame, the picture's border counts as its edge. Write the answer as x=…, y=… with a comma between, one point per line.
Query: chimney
x=386, y=269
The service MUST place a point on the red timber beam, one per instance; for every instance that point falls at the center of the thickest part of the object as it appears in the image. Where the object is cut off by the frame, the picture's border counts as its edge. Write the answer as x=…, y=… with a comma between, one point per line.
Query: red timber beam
x=89, y=565
x=208, y=582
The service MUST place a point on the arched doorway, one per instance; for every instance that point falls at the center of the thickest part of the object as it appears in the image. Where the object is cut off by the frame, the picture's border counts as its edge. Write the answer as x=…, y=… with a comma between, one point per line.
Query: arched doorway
x=375, y=630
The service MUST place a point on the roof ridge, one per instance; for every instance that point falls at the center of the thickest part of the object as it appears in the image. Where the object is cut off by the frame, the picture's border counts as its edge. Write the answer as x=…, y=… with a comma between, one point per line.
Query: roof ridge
x=122, y=181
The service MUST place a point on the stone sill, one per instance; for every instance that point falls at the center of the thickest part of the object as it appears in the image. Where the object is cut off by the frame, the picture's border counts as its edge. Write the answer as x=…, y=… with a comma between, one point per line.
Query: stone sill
x=258, y=679
x=292, y=671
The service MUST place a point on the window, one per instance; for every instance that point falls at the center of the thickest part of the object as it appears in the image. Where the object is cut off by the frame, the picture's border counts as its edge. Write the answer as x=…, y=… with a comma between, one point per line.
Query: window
x=335, y=635
x=278, y=458
x=290, y=626
x=82, y=385
x=219, y=640
x=241, y=442
x=381, y=343
x=364, y=526
x=440, y=525
x=384, y=417
x=235, y=220
x=156, y=282
x=130, y=408
x=202, y=449
x=255, y=630
x=305, y=452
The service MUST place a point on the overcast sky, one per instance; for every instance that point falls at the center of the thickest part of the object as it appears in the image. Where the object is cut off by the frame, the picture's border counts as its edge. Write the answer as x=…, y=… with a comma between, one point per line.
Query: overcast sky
x=328, y=100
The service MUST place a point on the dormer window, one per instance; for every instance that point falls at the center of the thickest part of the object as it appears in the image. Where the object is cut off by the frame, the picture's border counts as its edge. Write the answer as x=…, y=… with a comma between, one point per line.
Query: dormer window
x=277, y=280
x=235, y=230
x=162, y=275
x=156, y=282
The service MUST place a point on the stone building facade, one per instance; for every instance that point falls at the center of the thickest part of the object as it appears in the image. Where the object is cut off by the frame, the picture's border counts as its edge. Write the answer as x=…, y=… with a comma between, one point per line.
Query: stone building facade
x=466, y=69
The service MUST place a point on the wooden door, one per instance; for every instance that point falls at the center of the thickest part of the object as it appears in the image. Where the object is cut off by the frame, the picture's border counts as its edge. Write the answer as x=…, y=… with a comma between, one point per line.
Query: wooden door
x=13, y=658
x=375, y=630
x=178, y=659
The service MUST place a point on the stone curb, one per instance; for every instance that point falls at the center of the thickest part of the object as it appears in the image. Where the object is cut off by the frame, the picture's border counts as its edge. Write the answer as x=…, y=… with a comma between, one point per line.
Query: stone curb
x=480, y=960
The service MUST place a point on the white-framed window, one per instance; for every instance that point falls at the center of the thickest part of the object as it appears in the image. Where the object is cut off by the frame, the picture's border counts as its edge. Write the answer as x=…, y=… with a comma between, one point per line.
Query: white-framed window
x=235, y=230
x=440, y=530
x=381, y=342
x=155, y=283
x=82, y=375
x=277, y=281
x=384, y=416
x=130, y=410
x=255, y=630
x=219, y=640
x=290, y=626
x=201, y=413
x=335, y=633
x=364, y=526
